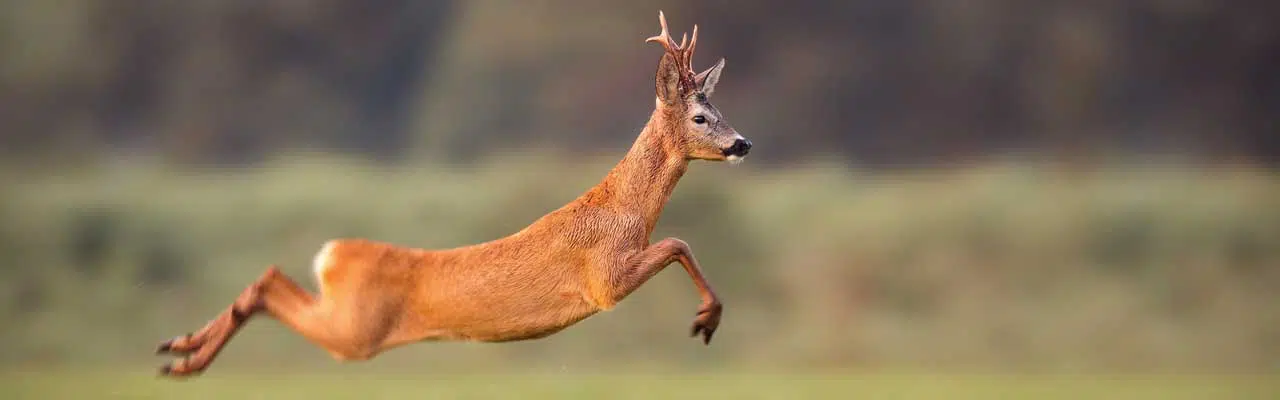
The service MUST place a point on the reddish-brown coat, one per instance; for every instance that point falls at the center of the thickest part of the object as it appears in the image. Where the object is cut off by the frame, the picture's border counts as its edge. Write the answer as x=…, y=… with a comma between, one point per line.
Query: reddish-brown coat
x=568, y=265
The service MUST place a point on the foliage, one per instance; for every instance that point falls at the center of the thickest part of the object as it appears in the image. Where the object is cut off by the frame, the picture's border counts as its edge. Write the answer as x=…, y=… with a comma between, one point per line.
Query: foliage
x=883, y=83
x=1000, y=266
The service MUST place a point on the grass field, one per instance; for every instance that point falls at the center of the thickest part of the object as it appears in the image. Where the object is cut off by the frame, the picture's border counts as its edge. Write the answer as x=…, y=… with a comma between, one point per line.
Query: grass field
x=1006, y=268
x=365, y=386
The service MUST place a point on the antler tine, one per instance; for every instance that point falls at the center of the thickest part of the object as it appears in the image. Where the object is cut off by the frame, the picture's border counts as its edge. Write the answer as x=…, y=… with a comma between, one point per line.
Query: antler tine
x=663, y=38
x=662, y=19
x=693, y=42
x=681, y=53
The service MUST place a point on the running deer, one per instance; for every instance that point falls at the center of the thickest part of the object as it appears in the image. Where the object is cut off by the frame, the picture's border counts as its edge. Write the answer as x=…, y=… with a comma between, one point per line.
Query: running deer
x=570, y=264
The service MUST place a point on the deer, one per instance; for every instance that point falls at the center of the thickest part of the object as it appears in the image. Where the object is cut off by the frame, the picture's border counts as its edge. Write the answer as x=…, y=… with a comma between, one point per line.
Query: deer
x=572, y=263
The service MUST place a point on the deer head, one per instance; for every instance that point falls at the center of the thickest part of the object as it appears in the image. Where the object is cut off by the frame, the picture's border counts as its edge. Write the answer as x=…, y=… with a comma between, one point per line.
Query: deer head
x=683, y=100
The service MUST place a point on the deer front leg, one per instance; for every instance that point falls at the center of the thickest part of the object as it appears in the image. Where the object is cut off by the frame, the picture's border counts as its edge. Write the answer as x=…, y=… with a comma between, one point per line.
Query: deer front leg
x=652, y=259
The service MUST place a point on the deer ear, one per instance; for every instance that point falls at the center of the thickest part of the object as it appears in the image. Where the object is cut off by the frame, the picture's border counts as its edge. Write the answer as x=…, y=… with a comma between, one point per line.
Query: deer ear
x=707, y=79
x=668, y=80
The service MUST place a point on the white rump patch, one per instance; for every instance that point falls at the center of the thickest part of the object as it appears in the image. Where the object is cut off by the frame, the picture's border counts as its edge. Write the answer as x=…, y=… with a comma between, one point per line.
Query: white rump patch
x=322, y=259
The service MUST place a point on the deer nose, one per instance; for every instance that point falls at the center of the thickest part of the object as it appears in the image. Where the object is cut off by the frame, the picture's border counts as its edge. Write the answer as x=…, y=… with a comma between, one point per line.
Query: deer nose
x=740, y=148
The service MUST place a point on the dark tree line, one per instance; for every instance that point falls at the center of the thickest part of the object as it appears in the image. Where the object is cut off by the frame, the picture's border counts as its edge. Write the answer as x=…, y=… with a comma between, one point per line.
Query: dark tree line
x=876, y=82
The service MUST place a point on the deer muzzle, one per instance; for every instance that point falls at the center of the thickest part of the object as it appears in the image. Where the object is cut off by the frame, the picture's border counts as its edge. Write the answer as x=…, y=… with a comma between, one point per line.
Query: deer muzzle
x=739, y=149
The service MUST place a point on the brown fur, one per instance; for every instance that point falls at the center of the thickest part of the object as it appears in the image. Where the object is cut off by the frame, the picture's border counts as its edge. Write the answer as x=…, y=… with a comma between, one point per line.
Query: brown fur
x=568, y=265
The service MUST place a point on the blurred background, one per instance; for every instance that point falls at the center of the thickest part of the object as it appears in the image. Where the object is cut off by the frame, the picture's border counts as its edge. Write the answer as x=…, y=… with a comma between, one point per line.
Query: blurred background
x=936, y=186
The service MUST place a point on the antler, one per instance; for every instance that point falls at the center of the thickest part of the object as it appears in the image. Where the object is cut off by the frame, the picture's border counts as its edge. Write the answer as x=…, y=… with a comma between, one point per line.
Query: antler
x=681, y=53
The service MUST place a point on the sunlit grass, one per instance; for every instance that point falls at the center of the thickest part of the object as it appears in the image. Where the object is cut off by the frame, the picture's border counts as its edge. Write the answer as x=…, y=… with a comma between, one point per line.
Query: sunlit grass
x=284, y=386
x=1007, y=266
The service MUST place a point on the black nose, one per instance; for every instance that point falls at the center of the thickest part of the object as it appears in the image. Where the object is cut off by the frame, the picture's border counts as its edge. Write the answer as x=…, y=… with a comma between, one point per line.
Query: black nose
x=740, y=148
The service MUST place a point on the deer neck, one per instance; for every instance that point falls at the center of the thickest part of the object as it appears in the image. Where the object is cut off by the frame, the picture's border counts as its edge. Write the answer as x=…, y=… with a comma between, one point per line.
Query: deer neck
x=643, y=181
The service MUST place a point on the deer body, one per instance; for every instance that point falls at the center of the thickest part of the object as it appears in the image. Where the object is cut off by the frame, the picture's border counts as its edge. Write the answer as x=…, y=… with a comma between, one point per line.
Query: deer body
x=566, y=266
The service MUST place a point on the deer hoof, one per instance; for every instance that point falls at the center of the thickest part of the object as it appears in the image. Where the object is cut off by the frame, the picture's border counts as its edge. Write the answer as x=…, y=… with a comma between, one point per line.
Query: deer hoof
x=707, y=321
x=167, y=346
x=183, y=370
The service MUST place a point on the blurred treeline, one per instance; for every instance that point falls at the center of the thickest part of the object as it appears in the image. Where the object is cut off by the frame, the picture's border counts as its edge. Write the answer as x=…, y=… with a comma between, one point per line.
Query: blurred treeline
x=878, y=82
x=905, y=204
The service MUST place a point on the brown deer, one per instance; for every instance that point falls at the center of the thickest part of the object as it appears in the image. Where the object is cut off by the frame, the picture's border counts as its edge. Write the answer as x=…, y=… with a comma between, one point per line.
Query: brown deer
x=570, y=264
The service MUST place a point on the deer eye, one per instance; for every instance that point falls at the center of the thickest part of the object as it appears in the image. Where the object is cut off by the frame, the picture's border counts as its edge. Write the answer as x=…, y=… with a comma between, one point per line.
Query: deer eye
x=698, y=119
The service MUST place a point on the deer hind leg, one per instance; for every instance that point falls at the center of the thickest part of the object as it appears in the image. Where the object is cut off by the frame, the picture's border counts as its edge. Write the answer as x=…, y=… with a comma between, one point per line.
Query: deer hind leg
x=190, y=342
x=247, y=304
x=280, y=297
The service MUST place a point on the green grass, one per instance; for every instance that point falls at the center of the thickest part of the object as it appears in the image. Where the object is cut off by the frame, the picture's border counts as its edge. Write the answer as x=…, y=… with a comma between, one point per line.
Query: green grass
x=1002, y=266
x=222, y=385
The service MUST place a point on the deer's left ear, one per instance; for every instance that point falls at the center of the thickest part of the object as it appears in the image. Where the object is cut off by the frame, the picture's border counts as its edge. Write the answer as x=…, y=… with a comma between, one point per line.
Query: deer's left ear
x=668, y=80
x=706, y=80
